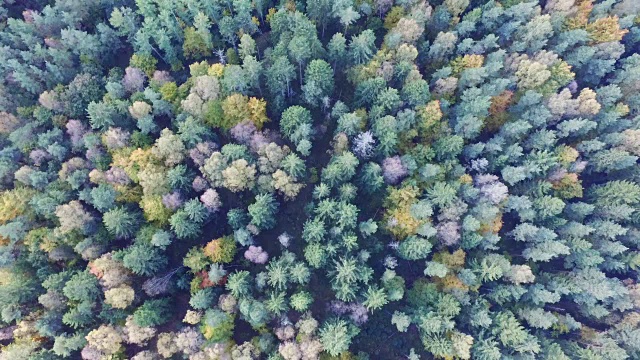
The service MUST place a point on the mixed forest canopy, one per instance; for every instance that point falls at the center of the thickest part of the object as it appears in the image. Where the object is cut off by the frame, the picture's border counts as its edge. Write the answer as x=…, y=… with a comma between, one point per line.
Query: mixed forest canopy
x=319, y=179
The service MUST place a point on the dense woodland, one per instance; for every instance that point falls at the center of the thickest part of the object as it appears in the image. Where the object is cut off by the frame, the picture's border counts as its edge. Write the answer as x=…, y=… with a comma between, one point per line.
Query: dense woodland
x=319, y=179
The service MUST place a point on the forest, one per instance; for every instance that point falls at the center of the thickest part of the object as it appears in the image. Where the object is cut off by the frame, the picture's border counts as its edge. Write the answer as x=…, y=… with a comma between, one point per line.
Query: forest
x=319, y=179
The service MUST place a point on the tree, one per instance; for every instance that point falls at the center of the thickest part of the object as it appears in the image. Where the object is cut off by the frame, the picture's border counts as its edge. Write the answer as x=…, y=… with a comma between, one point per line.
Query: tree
x=152, y=313
x=442, y=46
x=341, y=168
x=82, y=286
x=247, y=46
x=414, y=248
x=504, y=133
x=105, y=339
x=371, y=178
x=279, y=76
x=301, y=301
x=299, y=51
x=140, y=109
x=337, y=48
x=315, y=255
x=73, y=216
x=211, y=200
x=385, y=131
x=121, y=222
x=201, y=299
x=119, y=297
x=319, y=11
x=406, y=30
x=255, y=254
x=387, y=100
x=133, y=79
x=345, y=13
x=612, y=193
x=239, y=175
x=169, y=147
x=103, y=197
x=278, y=272
x=393, y=170
x=254, y=312
x=318, y=82
x=509, y=331
x=109, y=271
x=238, y=283
x=172, y=201
x=8, y=123
x=218, y=325
x=195, y=45
x=221, y=250
x=271, y=157
x=286, y=185
x=401, y=321
x=206, y=87
x=375, y=298
x=262, y=211
x=144, y=259
x=349, y=124
x=188, y=340
x=184, y=225
x=336, y=335
x=361, y=47
x=313, y=230
x=293, y=120
x=64, y=345
x=195, y=260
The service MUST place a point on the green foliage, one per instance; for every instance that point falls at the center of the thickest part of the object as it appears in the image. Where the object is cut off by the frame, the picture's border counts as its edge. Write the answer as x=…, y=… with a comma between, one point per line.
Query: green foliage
x=295, y=124
x=318, y=82
x=153, y=313
x=103, y=197
x=221, y=250
x=217, y=325
x=315, y=254
x=314, y=230
x=195, y=259
x=195, y=45
x=79, y=316
x=341, y=169
x=254, y=312
x=375, y=298
x=144, y=259
x=492, y=146
x=401, y=321
x=82, y=286
x=371, y=179
x=441, y=194
x=263, y=211
x=238, y=283
x=121, y=222
x=276, y=303
x=617, y=192
x=65, y=345
x=301, y=301
x=183, y=225
x=336, y=336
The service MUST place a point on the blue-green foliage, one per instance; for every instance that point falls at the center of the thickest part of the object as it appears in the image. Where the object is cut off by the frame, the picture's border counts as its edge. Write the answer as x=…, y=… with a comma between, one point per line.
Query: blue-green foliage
x=462, y=172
